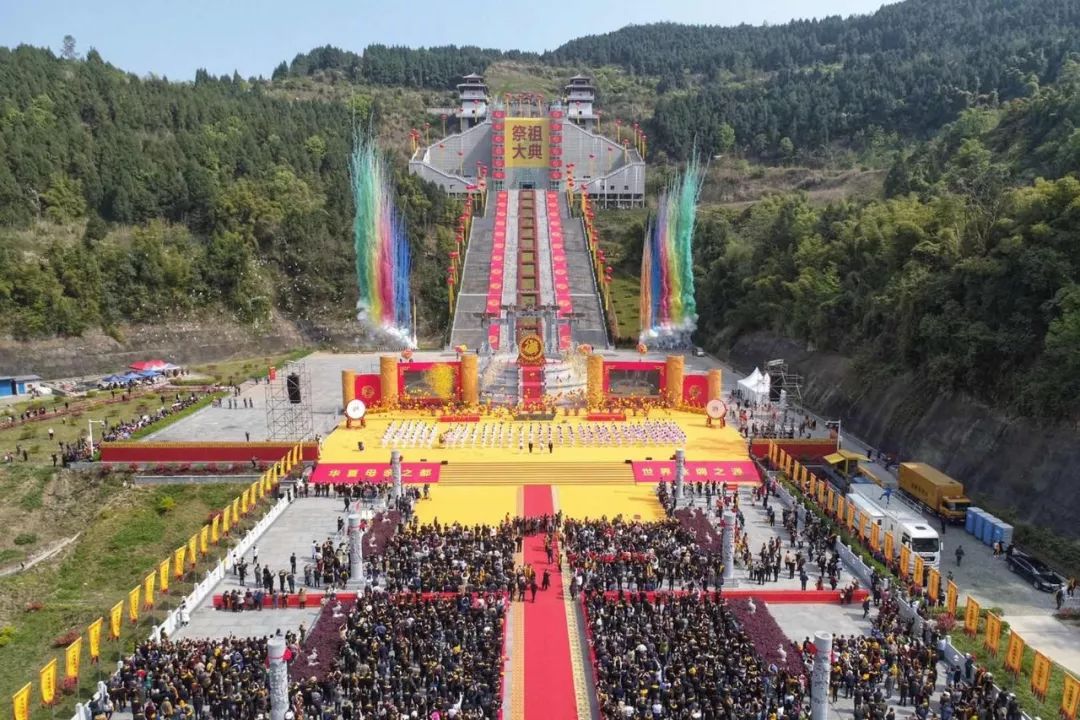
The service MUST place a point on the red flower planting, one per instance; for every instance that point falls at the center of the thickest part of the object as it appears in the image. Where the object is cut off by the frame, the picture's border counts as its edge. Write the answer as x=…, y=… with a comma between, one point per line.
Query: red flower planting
x=766, y=635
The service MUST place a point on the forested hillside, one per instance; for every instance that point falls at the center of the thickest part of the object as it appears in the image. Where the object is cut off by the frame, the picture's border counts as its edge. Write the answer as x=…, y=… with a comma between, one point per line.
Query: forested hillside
x=969, y=274
x=182, y=197
x=907, y=69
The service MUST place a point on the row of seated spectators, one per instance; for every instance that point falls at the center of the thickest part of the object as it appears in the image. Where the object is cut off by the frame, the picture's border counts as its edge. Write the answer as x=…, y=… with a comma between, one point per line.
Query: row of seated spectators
x=623, y=554
x=393, y=657
x=125, y=429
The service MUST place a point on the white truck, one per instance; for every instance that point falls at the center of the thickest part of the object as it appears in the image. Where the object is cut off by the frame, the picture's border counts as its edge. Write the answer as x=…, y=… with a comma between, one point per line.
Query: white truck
x=907, y=525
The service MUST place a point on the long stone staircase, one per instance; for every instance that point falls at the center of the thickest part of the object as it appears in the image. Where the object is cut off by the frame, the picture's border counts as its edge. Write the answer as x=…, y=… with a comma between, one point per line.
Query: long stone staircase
x=472, y=297
x=535, y=473
x=590, y=329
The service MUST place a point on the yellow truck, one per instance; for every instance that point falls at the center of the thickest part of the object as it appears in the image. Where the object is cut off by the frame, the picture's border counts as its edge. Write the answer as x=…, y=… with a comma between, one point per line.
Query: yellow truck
x=935, y=490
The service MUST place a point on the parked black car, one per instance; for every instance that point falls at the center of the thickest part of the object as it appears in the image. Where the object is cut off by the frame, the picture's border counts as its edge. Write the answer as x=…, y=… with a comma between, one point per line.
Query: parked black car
x=1035, y=571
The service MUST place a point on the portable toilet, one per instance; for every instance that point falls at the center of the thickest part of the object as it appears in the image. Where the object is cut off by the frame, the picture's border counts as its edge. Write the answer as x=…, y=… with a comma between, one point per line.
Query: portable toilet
x=1003, y=532
x=969, y=520
x=977, y=527
x=989, y=523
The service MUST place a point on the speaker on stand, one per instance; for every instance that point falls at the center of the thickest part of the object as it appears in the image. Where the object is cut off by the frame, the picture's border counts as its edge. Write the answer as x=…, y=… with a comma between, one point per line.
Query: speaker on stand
x=292, y=385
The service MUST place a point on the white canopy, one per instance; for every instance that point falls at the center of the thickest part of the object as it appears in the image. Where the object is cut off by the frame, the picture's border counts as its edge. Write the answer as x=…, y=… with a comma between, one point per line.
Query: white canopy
x=756, y=386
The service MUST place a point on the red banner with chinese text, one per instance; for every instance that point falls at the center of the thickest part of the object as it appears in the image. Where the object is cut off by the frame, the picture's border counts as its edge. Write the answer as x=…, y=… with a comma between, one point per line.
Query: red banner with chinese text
x=351, y=473
x=730, y=471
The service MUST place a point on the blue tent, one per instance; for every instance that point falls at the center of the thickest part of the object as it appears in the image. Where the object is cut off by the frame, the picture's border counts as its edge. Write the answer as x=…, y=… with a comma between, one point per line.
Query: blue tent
x=149, y=373
x=131, y=376
x=111, y=379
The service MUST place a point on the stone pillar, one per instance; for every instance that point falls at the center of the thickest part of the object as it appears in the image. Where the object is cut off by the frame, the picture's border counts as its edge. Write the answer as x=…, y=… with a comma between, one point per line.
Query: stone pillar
x=595, y=381
x=715, y=379
x=819, y=679
x=470, y=379
x=673, y=379
x=388, y=372
x=727, y=545
x=800, y=516
x=680, y=471
x=348, y=387
x=279, y=677
x=356, y=549
x=395, y=472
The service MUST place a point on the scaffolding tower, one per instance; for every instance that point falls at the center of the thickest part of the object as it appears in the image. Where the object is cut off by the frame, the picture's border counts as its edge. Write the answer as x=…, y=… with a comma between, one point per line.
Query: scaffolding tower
x=287, y=420
x=783, y=380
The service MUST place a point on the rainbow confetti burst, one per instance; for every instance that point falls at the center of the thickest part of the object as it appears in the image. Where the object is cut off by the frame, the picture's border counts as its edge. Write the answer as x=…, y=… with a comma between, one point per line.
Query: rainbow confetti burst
x=382, y=247
x=668, y=307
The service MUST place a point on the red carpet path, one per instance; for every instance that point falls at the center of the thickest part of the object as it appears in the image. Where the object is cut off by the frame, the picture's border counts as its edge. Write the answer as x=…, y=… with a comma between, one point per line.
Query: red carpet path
x=549, y=680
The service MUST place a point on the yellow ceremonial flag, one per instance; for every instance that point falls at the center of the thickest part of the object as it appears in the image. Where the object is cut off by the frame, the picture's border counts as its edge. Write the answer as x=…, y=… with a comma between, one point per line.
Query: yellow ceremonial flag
x=244, y=502
x=47, y=678
x=813, y=486
x=920, y=570
x=992, y=641
x=225, y=521
x=905, y=558
x=163, y=575
x=1070, y=697
x=1014, y=652
x=236, y=509
x=20, y=703
x=72, y=658
x=851, y=515
x=875, y=536
x=93, y=636
x=951, y=596
x=830, y=502
x=772, y=451
x=971, y=616
x=116, y=618
x=888, y=547
x=821, y=492
x=1040, y=675
x=215, y=529
x=133, y=604
x=933, y=584
x=193, y=550
x=148, y=594
x=178, y=561
x=204, y=540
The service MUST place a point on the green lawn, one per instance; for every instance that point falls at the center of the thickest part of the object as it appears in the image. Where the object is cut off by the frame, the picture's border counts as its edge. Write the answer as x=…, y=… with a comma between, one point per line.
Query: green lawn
x=124, y=537
x=1021, y=684
x=236, y=371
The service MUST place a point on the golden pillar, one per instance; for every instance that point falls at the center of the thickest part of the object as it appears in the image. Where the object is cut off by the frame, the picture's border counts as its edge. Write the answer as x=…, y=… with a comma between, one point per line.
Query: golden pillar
x=348, y=387
x=716, y=384
x=388, y=380
x=594, y=381
x=674, y=380
x=470, y=379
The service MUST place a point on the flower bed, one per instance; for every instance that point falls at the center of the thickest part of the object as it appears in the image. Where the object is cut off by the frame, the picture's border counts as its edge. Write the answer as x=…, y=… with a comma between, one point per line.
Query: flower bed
x=694, y=520
x=325, y=639
x=383, y=527
x=766, y=635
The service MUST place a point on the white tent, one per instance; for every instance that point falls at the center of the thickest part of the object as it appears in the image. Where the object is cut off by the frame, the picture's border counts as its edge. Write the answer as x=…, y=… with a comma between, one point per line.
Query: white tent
x=755, y=386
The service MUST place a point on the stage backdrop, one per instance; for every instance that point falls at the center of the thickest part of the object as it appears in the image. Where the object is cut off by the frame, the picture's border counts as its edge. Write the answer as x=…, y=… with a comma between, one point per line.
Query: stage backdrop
x=634, y=379
x=430, y=381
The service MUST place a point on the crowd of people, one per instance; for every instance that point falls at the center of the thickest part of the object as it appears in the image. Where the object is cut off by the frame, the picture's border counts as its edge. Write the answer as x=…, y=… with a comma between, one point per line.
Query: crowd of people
x=621, y=554
x=532, y=437
x=397, y=657
x=447, y=558
x=684, y=658
x=123, y=430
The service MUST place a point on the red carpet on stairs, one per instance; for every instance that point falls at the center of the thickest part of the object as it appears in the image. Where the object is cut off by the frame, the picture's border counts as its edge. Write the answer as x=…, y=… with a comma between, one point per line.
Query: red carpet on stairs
x=549, y=680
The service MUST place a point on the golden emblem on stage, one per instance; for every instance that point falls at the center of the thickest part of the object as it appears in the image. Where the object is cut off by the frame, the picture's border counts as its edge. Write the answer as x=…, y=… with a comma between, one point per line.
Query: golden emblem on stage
x=531, y=350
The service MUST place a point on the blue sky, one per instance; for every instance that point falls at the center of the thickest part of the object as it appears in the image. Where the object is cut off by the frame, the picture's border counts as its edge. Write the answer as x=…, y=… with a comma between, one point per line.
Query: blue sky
x=174, y=37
